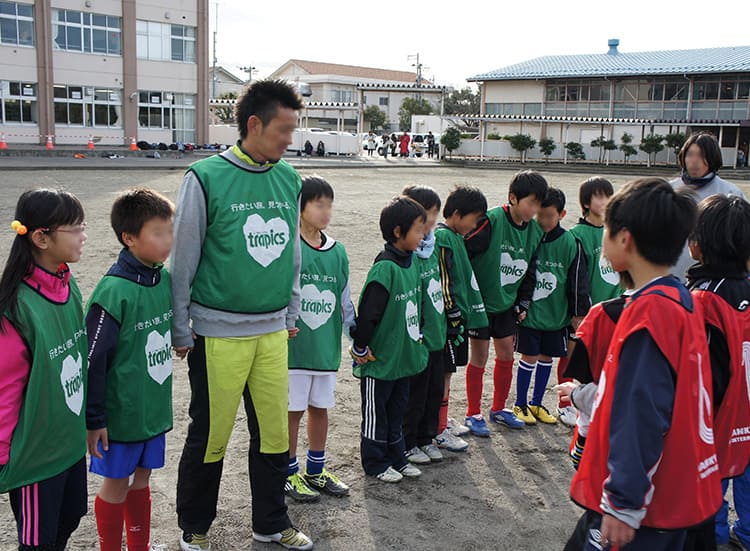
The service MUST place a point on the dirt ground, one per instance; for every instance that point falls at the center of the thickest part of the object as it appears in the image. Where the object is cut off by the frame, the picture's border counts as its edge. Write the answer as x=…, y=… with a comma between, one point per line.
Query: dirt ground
x=508, y=492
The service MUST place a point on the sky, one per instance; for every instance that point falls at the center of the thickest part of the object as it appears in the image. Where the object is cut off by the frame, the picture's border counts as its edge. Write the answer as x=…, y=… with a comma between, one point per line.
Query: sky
x=456, y=41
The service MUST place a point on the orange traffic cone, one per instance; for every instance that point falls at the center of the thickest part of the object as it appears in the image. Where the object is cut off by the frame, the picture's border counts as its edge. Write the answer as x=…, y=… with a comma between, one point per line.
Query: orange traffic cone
x=50, y=146
x=3, y=143
x=133, y=146
x=90, y=145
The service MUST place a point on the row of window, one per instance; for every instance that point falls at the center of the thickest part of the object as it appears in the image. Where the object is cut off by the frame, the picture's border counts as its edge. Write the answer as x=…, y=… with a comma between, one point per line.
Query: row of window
x=16, y=24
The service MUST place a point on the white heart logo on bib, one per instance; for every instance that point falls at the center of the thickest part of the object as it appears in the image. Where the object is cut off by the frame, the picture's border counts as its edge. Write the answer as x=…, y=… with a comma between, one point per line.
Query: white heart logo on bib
x=436, y=295
x=607, y=273
x=316, y=307
x=265, y=240
x=474, y=283
x=546, y=283
x=412, y=320
x=511, y=270
x=159, y=355
x=71, y=378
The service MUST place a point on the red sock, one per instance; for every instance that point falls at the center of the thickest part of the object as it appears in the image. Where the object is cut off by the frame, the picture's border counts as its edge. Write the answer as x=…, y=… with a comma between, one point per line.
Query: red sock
x=109, y=524
x=443, y=415
x=502, y=376
x=474, y=376
x=562, y=365
x=138, y=519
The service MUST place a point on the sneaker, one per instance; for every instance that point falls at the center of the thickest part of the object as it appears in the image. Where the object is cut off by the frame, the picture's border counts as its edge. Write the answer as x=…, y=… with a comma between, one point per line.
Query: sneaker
x=449, y=441
x=456, y=428
x=390, y=475
x=417, y=456
x=410, y=471
x=477, y=426
x=296, y=487
x=328, y=483
x=431, y=451
x=567, y=416
x=291, y=538
x=543, y=415
x=734, y=540
x=194, y=542
x=506, y=417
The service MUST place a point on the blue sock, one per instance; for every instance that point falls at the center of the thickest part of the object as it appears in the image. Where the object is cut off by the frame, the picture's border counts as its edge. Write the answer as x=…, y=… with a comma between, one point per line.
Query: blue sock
x=543, y=370
x=316, y=460
x=293, y=465
x=523, y=381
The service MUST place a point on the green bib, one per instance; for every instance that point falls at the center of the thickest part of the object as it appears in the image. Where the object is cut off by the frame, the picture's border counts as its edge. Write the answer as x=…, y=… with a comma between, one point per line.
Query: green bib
x=500, y=269
x=435, y=324
x=138, y=393
x=605, y=282
x=51, y=432
x=465, y=286
x=323, y=277
x=549, y=309
x=247, y=260
x=396, y=343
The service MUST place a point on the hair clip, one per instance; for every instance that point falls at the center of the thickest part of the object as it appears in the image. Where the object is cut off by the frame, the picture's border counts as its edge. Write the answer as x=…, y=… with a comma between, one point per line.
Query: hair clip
x=19, y=228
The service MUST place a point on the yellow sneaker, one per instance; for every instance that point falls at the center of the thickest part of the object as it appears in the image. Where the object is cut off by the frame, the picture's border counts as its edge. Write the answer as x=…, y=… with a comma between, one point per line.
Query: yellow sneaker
x=523, y=414
x=543, y=414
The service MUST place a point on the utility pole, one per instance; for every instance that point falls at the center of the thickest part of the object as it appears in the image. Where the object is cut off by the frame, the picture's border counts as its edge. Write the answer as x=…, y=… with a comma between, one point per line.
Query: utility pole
x=216, y=28
x=249, y=70
x=418, y=65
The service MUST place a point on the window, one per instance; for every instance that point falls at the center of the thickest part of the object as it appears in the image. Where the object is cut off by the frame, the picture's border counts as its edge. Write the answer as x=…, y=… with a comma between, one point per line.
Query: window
x=343, y=96
x=89, y=33
x=87, y=106
x=383, y=102
x=16, y=24
x=165, y=42
x=166, y=110
x=705, y=90
x=18, y=103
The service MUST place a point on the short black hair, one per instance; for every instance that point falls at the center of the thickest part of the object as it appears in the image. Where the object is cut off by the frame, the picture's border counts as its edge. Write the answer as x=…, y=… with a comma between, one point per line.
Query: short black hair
x=596, y=185
x=528, y=182
x=314, y=187
x=133, y=208
x=709, y=147
x=465, y=200
x=659, y=218
x=400, y=213
x=262, y=99
x=424, y=195
x=723, y=231
x=554, y=198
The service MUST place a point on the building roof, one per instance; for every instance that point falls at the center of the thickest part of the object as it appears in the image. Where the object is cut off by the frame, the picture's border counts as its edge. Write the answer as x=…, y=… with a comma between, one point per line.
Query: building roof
x=319, y=68
x=228, y=74
x=615, y=63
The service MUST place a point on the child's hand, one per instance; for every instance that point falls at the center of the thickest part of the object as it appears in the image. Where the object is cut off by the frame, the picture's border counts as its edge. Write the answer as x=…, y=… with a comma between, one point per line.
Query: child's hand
x=564, y=390
x=182, y=351
x=293, y=332
x=615, y=533
x=92, y=441
x=361, y=357
x=575, y=321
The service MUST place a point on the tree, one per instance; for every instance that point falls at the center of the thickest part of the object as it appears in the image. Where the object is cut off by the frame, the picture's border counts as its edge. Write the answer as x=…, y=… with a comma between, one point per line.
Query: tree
x=451, y=139
x=604, y=145
x=226, y=114
x=521, y=143
x=409, y=107
x=375, y=116
x=674, y=141
x=462, y=102
x=575, y=151
x=547, y=146
x=627, y=149
x=651, y=145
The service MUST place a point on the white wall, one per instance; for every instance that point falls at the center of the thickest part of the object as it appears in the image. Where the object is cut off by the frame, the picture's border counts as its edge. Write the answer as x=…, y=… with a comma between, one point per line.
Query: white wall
x=514, y=91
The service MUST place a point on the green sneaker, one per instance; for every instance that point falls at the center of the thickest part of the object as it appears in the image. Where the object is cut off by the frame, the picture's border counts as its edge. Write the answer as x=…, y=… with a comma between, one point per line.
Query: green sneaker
x=291, y=538
x=328, y=483
x=298, y=490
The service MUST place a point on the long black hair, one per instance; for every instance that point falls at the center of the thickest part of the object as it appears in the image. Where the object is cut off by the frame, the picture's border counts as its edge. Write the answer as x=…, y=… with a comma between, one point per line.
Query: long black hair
x=38, y=208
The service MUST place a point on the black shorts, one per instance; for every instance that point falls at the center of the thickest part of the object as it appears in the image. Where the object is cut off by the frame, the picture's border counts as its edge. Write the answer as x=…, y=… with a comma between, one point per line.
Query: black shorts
x=47, y=512
x=502, y=325
x=455, y=356
x=533, y=342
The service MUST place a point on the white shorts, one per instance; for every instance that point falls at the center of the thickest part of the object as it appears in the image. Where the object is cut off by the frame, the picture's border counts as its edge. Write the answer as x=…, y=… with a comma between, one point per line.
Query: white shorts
x=311, y=388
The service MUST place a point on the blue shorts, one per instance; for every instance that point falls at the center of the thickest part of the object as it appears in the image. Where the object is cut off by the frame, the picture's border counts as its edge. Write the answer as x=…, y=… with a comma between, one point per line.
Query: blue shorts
x=123, y=457
x=534, y=342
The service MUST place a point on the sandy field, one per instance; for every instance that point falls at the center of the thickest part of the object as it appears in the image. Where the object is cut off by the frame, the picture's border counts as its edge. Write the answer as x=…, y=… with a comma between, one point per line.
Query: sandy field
x=508, y=492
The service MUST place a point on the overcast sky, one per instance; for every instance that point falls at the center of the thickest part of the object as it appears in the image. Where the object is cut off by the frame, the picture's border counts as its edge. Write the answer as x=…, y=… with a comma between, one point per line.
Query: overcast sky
x=466, y=38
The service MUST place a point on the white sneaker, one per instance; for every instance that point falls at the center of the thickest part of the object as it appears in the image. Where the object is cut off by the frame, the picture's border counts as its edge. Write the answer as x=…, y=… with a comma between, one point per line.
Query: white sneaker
x=410, y=470
x=567, y=416
x=291, y=538
x=432, y=452
x=457, y=429
x=390, y=475
x=417, y=456
x=449, y=441
x=195, y=542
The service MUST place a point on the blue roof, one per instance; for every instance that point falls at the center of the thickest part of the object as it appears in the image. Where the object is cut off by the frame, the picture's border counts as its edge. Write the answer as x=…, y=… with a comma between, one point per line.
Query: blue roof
x=664, y=62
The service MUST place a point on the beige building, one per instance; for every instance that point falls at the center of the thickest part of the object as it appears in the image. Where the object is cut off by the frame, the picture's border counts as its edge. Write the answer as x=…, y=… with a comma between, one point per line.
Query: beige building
x=114, y=70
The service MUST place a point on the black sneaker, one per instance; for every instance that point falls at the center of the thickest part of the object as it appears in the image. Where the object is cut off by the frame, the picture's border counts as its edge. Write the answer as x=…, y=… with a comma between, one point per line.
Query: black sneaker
x=296, y=487
x=328, y=483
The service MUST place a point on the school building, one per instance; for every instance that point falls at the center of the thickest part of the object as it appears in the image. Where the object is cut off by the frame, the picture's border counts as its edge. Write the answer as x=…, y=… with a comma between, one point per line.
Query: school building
x=578, y=98
x=114, y=70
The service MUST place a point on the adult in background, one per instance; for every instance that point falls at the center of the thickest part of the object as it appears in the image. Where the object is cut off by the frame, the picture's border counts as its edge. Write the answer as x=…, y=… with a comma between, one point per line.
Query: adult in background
x=235, y=274
x=386, y=143
x=430, y=145
x=700, y=160
x=403, y=142
x=371, y=143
